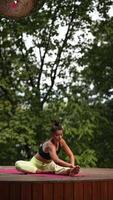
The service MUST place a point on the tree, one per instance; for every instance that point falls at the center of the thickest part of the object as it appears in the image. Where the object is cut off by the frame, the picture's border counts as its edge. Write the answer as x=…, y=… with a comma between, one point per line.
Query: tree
x=44, y=75
x=97, y=77
x=29, y=80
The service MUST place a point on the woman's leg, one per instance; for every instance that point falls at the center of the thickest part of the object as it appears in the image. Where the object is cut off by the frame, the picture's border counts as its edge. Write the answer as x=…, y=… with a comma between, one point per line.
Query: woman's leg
x=32, y=166
x=57, y=169
x=25, y=166
x=67, y=171
x=36, y=166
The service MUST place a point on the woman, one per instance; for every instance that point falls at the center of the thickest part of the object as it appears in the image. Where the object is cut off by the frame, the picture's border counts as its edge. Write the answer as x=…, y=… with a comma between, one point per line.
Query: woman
x=47, y=160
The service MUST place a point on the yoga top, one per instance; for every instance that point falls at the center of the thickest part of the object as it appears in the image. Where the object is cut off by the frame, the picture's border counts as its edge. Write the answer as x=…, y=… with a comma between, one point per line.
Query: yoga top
x=46, y=155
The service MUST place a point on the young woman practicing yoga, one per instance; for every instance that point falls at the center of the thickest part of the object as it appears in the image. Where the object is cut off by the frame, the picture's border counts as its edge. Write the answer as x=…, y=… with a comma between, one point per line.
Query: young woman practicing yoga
x=47, y=160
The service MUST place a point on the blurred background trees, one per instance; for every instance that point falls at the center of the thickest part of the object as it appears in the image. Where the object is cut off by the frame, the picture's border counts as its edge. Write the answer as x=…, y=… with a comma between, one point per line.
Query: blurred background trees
x=58, y=64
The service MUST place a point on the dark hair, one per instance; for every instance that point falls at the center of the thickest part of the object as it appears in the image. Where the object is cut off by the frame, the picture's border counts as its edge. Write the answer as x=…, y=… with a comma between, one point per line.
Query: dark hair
x=56, y=126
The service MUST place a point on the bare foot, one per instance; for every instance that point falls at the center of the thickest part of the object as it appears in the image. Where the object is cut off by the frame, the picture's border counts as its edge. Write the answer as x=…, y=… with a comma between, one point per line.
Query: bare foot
x=75, y=170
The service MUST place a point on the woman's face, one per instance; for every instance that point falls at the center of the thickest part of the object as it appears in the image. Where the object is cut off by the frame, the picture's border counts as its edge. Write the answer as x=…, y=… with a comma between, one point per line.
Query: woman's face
x=57, y=135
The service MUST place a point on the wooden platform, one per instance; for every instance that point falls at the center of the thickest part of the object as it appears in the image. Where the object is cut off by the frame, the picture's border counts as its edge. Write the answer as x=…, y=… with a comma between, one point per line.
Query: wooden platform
x=93, y=184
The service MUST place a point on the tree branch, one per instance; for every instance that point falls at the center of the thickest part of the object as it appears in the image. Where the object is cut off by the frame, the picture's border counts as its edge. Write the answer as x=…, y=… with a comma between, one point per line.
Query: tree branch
x=57, y=61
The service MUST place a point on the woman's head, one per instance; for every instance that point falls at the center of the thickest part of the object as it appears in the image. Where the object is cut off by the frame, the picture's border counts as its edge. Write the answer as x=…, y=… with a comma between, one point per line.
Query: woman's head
x=57, y=130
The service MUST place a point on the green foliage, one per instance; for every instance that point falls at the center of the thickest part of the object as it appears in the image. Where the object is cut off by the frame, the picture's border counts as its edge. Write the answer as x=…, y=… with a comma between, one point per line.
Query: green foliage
x=103, y=138
x=87, y=158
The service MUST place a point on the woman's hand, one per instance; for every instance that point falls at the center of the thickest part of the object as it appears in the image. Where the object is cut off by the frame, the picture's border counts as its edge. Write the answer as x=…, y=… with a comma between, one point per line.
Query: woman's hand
x=72, y=165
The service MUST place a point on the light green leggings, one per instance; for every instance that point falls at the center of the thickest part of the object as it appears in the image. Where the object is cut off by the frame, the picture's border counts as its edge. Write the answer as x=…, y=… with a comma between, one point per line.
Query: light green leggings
x=35, y=165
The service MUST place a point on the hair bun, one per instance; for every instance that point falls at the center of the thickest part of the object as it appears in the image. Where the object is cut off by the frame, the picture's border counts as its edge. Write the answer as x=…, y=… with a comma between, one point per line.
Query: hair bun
x=56, y=126
x=56, y=123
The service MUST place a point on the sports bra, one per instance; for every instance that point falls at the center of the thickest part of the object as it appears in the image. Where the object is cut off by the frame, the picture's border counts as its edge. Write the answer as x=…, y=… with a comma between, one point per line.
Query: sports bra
x=46, y=155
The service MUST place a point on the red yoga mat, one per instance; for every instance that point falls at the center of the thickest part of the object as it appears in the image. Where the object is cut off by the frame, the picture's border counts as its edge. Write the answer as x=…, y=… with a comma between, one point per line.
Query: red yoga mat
x=13, y=170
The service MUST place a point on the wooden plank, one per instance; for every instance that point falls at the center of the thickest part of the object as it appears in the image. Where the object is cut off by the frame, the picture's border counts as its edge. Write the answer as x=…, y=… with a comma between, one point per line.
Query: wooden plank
x=58, y=191
x=37, y=191
x=48, y=191
x=78, y=191
x=104, y=190
x=15, y=191
x=26, y=192
x=4, y=191
x=87, y=187
x=68, y=191
x=110, y=190
x=96, y=190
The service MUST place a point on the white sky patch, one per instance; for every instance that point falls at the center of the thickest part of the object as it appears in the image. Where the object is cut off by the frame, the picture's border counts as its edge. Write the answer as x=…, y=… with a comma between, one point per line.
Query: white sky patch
x=110, y=12
x=28, y=40
x=95, y=15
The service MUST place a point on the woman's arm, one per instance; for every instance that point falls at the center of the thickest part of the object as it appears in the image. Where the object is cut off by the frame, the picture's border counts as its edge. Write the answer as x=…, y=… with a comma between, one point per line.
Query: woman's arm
x=68, y=152
x=56, y=159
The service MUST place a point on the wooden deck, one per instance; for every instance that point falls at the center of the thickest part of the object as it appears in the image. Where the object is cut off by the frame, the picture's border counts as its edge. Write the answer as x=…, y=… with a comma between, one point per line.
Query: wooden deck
x=93, y=184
